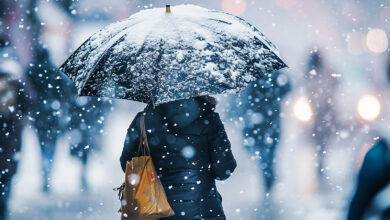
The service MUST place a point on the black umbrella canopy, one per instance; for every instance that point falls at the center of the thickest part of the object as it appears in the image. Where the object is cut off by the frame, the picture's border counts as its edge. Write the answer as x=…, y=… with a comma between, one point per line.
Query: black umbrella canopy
x=159, y=56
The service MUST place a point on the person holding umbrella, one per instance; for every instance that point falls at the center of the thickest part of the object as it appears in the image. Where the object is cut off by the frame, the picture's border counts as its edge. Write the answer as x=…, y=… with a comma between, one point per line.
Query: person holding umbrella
x=190, y=149
x=173, y=59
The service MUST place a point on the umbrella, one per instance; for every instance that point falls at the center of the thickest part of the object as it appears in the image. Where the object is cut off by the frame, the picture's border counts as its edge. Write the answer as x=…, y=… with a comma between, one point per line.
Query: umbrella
x=165, y=54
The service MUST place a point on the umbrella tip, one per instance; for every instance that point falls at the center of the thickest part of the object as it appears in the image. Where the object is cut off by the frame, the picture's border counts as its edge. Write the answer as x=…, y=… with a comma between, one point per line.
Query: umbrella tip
x=168, y=9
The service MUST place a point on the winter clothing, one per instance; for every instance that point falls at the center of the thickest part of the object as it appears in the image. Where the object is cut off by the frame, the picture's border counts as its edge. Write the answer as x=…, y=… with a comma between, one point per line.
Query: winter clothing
x=260, y=108
x=48, y=89
x=46, y=94
x=373, y=177
x=321, y=89
x=190, y=149
x=87, y=119
x=12, y=110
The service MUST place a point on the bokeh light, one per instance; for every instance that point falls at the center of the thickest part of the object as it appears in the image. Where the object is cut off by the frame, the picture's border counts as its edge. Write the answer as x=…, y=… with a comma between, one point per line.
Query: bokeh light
x=369, y=107
x=377, y=41
x=234, y=7
x=303, y=110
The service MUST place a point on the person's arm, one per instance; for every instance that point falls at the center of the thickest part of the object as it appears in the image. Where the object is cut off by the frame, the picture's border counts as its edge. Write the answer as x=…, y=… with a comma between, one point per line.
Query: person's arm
x=222, y=159
x=130, y=147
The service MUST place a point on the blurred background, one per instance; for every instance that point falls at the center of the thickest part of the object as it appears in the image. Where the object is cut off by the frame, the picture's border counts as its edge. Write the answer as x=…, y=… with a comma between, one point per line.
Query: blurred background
x=299, y=142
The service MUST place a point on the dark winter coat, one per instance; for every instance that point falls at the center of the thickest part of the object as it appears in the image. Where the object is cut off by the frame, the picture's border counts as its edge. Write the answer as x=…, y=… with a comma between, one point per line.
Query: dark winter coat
x=264, y=99
x=87, y=119
x=260, y=107
x=190, y=149
x=13, y=108
x=374, y=176
x=46, y=92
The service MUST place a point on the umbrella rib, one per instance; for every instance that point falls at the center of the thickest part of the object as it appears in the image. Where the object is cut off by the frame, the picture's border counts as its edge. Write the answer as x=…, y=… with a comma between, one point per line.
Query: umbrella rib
x=180, y=36
x=113, y=45
x=220, y=38
x=159, y=59
x=268, y=44
x=220, y=21
x=237, y=51
x=105, y=50
x=157, y=78
x=100, y=59
x=86, y=41
x=140, y=51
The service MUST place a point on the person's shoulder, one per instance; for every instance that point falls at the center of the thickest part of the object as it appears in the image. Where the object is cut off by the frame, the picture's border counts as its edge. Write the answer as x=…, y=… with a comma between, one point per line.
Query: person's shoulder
x=136, y=121
x=214, y=116
x=154, y=120
x=379, y=148
x=212, y=122
x=137, y=116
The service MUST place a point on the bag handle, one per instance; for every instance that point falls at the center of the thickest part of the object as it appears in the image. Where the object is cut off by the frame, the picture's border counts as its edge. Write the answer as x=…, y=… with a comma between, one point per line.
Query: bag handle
x=143, y=146
x=120, y=190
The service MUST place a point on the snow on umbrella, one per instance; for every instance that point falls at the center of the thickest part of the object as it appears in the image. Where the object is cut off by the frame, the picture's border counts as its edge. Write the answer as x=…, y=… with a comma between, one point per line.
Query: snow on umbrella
x=162, y=54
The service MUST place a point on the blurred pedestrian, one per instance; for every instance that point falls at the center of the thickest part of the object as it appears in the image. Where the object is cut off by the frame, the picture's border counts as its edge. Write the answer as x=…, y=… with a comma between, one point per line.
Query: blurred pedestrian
x=45, y=108
x=48, y=90
x=13, y=110
x=261, y=108
x=87, y=117
x=321, y=90
x=190, y=150
x=374, y=176
x=13, y=106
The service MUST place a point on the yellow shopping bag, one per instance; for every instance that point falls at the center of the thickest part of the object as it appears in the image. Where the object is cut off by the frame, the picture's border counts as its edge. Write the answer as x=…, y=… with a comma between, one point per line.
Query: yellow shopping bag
x=142, y=195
